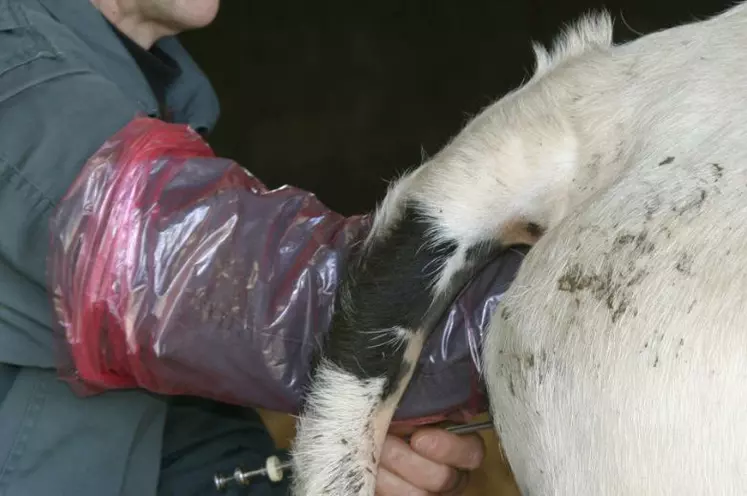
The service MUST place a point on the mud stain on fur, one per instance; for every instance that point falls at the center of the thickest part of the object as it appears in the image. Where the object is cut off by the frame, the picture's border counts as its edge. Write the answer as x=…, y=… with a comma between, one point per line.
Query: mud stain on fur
x=690, y=308
x=718, y=171
x=518, y=367
x=511, y=385
x=640, y=241
x=505, y=314
x=667, y=161
x=695, y=202
x=684, y=264
x=606, y=286
x=624, y=239
x=679, y=347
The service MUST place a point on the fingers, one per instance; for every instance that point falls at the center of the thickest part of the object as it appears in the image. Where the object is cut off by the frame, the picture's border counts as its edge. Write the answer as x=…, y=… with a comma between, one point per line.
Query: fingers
x=460, y=451
x=389, y=484
x=404, y=471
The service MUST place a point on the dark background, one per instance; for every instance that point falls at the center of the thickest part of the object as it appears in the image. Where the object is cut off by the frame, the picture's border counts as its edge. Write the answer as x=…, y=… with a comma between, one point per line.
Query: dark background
x=338, y=97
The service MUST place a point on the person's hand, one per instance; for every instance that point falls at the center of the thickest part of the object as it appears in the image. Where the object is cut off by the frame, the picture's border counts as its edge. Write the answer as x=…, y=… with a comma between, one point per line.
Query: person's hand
x=436, y=462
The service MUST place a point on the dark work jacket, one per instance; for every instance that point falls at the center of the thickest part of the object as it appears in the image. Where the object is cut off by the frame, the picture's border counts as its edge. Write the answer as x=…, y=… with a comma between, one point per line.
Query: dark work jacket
x=67, y=83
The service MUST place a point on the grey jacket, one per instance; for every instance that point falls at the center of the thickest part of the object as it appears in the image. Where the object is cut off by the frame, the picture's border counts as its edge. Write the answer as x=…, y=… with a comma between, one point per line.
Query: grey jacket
x=66, y=85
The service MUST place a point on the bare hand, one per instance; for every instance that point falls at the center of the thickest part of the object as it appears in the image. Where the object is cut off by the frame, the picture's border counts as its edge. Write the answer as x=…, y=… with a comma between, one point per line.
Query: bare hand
x=436, y=462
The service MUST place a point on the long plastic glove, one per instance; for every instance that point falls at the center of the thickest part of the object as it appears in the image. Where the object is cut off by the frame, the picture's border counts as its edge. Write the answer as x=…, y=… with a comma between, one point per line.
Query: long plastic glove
x=176, y=271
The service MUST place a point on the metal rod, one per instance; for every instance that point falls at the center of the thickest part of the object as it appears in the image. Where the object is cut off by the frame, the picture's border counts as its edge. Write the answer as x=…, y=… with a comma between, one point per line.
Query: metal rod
x=274, y=468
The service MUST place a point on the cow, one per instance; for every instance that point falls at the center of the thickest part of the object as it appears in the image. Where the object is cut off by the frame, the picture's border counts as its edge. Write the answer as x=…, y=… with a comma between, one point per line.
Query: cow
x=616, y=362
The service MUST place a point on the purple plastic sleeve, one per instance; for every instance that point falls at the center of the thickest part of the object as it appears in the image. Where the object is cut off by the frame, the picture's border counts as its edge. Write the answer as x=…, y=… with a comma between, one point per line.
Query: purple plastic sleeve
x=176, y=271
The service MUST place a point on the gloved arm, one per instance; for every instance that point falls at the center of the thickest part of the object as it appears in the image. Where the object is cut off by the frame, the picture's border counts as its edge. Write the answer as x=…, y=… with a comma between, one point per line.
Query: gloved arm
x=178, y=272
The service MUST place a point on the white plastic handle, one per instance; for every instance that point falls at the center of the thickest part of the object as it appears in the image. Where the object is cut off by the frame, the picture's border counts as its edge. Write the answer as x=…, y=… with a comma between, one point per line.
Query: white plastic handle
x=274, y=472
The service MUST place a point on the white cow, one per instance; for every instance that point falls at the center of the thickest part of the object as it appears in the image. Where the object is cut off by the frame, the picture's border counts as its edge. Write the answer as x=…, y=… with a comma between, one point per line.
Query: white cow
x=617, y=362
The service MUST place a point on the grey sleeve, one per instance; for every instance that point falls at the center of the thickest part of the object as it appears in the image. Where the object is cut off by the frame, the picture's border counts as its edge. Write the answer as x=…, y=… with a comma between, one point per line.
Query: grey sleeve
x=52, y=118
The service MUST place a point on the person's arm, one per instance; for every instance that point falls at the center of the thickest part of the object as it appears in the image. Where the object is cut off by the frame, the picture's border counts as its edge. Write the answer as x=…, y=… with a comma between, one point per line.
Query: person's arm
x=178, y=272
x=41, y=152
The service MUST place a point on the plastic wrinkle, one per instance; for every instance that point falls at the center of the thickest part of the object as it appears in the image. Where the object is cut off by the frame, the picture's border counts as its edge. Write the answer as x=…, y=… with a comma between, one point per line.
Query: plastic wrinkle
x=178, y=272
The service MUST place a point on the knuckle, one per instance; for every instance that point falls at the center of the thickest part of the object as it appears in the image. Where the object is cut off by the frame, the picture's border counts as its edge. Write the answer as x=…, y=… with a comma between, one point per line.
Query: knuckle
x=432, y=443
x=398, y=456
x=442, y=479
x=391, y=455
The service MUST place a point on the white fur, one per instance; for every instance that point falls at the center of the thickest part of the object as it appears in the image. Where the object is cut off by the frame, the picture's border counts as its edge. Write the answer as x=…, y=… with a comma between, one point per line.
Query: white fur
x=338, y=430
x=630, y=380
x=615, y=363
x=588, y=33
x=344, y=427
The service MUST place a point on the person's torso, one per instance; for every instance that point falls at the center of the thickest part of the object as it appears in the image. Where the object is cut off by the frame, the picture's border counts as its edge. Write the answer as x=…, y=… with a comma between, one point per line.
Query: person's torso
x=68, y=81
